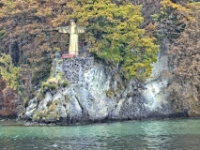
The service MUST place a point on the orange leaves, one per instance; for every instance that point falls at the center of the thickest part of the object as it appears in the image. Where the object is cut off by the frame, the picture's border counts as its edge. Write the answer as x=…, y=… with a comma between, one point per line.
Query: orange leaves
x=47, y=12
x=180, y=10
x=185, y=58
x=150, y=28
x=169, y=3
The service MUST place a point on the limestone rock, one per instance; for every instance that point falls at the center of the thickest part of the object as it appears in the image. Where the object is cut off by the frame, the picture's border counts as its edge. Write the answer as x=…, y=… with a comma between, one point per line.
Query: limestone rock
x=98, y=93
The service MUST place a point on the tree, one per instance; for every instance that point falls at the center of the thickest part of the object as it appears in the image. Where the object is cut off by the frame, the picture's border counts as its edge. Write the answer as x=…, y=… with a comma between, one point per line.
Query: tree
x=24, y=37
x=171, y=19
x=9, y=73
x=184, y=56
x=114, y=34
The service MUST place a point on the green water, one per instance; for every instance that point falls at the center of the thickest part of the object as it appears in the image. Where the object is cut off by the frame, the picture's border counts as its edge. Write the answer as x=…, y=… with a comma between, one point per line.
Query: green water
x=145, y=135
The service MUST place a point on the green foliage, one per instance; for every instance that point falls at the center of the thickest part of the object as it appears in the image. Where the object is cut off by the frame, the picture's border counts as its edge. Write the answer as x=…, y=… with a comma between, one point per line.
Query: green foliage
x=112, y=32
x=195, y=4
x=52, y=116
x=9, y=73
x=114, y=35
x=155, y=17
x=113, y=92
x=49, y=86
x=53, y=106
x=179, y=11
x=3, y=34
x=41, y=68
x=172, y=19
x=25, y=102
x=49, y=114
x=54, y=83
x=64, y=83
x=39, y=115
x=168, y=4
x=39, y=95
x=110, y=92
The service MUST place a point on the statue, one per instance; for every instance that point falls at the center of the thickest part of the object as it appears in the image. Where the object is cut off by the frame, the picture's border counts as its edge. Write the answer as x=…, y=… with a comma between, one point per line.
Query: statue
x=73, y=30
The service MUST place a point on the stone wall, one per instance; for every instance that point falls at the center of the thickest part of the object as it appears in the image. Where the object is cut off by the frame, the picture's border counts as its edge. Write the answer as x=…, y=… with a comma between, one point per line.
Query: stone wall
x=75, y=68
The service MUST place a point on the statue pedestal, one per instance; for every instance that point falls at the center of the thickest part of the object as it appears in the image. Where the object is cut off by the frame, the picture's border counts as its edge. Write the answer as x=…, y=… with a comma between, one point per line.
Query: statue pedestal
x=75, y=68
x=67, y=56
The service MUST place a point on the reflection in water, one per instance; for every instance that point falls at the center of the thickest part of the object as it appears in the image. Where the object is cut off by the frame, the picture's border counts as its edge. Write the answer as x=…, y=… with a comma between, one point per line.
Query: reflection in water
x=155, y=135
x=145, y=135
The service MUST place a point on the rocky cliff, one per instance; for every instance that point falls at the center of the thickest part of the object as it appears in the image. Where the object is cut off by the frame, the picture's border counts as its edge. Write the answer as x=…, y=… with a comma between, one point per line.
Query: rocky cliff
x=10, y=103
x=94, y=91
x=97, y=93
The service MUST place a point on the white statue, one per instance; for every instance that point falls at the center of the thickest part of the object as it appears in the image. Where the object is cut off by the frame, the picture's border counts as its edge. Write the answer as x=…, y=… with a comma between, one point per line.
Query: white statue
x=73, y=30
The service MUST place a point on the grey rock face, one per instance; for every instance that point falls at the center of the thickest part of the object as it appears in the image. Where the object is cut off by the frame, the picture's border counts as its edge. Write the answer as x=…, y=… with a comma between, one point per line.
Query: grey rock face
x=97, y=92
x=154, y=94
x=72, y=68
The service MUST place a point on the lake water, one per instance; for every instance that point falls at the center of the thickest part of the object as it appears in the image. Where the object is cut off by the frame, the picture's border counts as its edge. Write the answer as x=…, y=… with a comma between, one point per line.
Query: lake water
x=183, y=134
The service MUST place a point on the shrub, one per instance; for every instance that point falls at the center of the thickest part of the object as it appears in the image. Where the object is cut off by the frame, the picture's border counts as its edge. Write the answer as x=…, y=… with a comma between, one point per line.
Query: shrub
x=39, y=95
x=39, y=115
x=52, y=116
x=54, y=83
x=49, y=86
x=64, y=83
x=52, y=107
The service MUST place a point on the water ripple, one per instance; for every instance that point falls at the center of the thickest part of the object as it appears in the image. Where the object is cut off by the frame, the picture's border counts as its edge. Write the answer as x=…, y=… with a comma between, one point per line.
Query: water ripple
x=133, y=135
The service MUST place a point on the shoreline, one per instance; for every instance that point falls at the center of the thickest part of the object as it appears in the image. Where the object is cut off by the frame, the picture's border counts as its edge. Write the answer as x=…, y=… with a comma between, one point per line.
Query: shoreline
x=26, y=122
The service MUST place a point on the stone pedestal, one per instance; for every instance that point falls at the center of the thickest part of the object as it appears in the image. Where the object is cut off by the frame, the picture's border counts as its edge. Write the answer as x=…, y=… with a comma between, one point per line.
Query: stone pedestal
x=75, y=68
